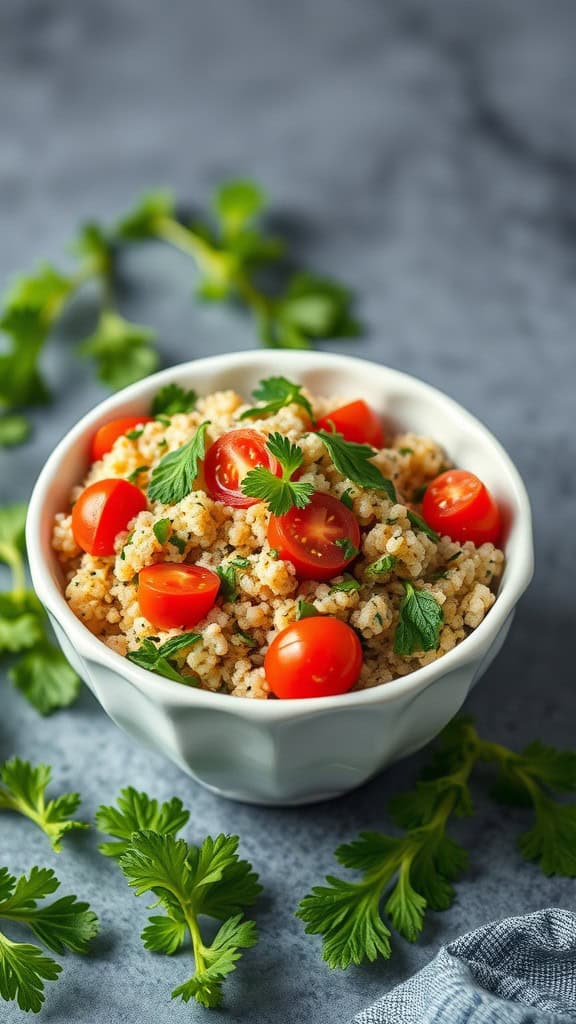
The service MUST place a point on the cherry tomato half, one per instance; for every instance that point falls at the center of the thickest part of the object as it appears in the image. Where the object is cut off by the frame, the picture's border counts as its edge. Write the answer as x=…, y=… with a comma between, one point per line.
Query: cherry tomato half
x=228, y=461
x=316, y=657
x=105, y=436
x=308, y=537
x=356, y=422
x=102, y=511
x=458, y=504
x=176, y=596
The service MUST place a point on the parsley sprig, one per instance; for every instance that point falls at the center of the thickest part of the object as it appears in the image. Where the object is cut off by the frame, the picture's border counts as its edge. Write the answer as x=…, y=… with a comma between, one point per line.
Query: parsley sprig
x=229, y=248
x=277, y=393
x=135, y=812
x=173, y=477
x=23, y=790
x=281, y=493
x=192, y=882
x=40, y=671
x=353, y=462
x=66, y=923
x=161, y=659
x=402, y=876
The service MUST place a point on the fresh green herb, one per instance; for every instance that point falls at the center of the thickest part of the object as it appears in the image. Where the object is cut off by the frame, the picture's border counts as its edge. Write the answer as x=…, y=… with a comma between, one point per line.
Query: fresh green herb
x=161, y=530
x=443, y=575
x=164, y=420
x=133, y=435
x=346, y=585
x=228, y=591
x=382, y=565
x=346, y=498
x=281, y=493
x=276, y=393
x=274, y=553
x=14, y=429
x=353, y=462
x=135, y=812
x=419, y=493
x=305, y=610
x=23, y=790
x=420, y=524
x=349, y=549
x=246, y=638
x=123, y=351
x=240, y=562
x=133, y=476
x=159, y=659
x=67, y=923
x=179, y=543
x=173, y=477
x=379, y=619
x=172, y=399
x=128, y=541
x=230, y=249
x=454, y=556
x=189, y=883
x=421, y=619
x=415, y=871
x=163, y=443
x=406, y=451
x=41, y=672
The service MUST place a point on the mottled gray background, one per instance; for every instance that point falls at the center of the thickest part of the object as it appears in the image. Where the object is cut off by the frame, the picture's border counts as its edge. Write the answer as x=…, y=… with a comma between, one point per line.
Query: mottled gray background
x=424, y=152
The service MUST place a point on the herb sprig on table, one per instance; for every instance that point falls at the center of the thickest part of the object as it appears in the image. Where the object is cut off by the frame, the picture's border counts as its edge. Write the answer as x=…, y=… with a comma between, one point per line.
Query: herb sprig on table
x=40, y=671
x=67, y=923
x=404, y=875
x=23, y=790
x=229, y=248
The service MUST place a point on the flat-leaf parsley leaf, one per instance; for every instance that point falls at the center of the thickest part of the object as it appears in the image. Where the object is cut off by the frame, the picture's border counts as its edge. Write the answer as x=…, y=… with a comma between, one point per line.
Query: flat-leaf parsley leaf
x=173, y=477
x=281, y=493
x=421, y=619
x=353, y=461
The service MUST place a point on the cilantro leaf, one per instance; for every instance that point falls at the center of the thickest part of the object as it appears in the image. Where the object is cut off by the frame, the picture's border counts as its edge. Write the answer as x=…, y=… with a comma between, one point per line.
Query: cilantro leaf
x=420, y=524
x=158, y=659
x=172, y=399
x=173, y=477
x=122, y=350
x=382, y=565
x=142, y=221
x=45, y=678
x=281, y=493
x=65, y=924
x=136, y=812
x=421, y=619
x=277, y=393
x=23, y=789
x=189, y=882
x=353, y=462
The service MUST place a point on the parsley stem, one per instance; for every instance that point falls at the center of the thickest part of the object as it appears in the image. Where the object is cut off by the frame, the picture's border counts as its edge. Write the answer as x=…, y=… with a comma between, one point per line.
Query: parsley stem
x=14, y=560
x=197, y=944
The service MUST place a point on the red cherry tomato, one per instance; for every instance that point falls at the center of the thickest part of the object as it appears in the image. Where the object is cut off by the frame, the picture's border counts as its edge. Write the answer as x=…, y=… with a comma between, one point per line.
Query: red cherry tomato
x=308, y=537
x=228, y=461
x=316, y=657
x=458, y=504
x=356, y=422
x=102, y=511
x=176, y=596
x=105, y=436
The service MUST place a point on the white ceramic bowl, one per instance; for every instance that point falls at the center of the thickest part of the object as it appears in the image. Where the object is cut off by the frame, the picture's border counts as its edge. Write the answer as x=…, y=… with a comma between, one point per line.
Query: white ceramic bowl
x=291, y=751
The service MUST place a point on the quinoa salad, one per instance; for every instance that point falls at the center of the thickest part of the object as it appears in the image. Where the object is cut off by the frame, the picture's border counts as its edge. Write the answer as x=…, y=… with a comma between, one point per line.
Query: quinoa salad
x=290, y=515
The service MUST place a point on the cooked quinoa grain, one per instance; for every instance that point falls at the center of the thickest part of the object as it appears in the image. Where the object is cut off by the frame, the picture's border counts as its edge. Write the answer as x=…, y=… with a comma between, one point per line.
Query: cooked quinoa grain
x=235, y=634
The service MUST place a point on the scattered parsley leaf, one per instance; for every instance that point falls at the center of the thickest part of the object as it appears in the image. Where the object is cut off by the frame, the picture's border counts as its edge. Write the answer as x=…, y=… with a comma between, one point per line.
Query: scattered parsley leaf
x=421, y=619
x=420, y=524
x=349, y=549
x=454, y=556
x=247, y=639
x=228, y=591
x=281, y=493
x=190, y=882
x=240, y=562
x=67, y=923
x=158, y=659
x=274, y=553
x=173, y=477
x=134, y=812
x=23, y=789
x=136, y=473
x=406, y=451
x=346, y=585
x=178, y=542
x=382, y=565
x=346, y=498
x=45, y=678
x=305, y=610
x=277, y=393
x=161, y=530
x=133, y=435
x=353, y=462
x=172, y=399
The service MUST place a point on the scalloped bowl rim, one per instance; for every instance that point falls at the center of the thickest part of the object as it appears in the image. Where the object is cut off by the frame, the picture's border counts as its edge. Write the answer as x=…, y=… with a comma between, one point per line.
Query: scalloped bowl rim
x=519, y=567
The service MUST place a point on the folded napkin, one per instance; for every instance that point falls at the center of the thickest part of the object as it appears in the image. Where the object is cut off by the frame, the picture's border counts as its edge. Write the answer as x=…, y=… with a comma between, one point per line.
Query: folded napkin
x=521, y=970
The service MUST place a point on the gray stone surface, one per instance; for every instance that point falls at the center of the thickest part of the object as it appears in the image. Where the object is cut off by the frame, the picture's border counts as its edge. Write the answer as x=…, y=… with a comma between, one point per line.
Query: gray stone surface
x=426, y=153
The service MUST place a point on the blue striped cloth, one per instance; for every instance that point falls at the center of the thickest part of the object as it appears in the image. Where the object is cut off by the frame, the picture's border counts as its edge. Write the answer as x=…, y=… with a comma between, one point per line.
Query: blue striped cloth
x=521, y=970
